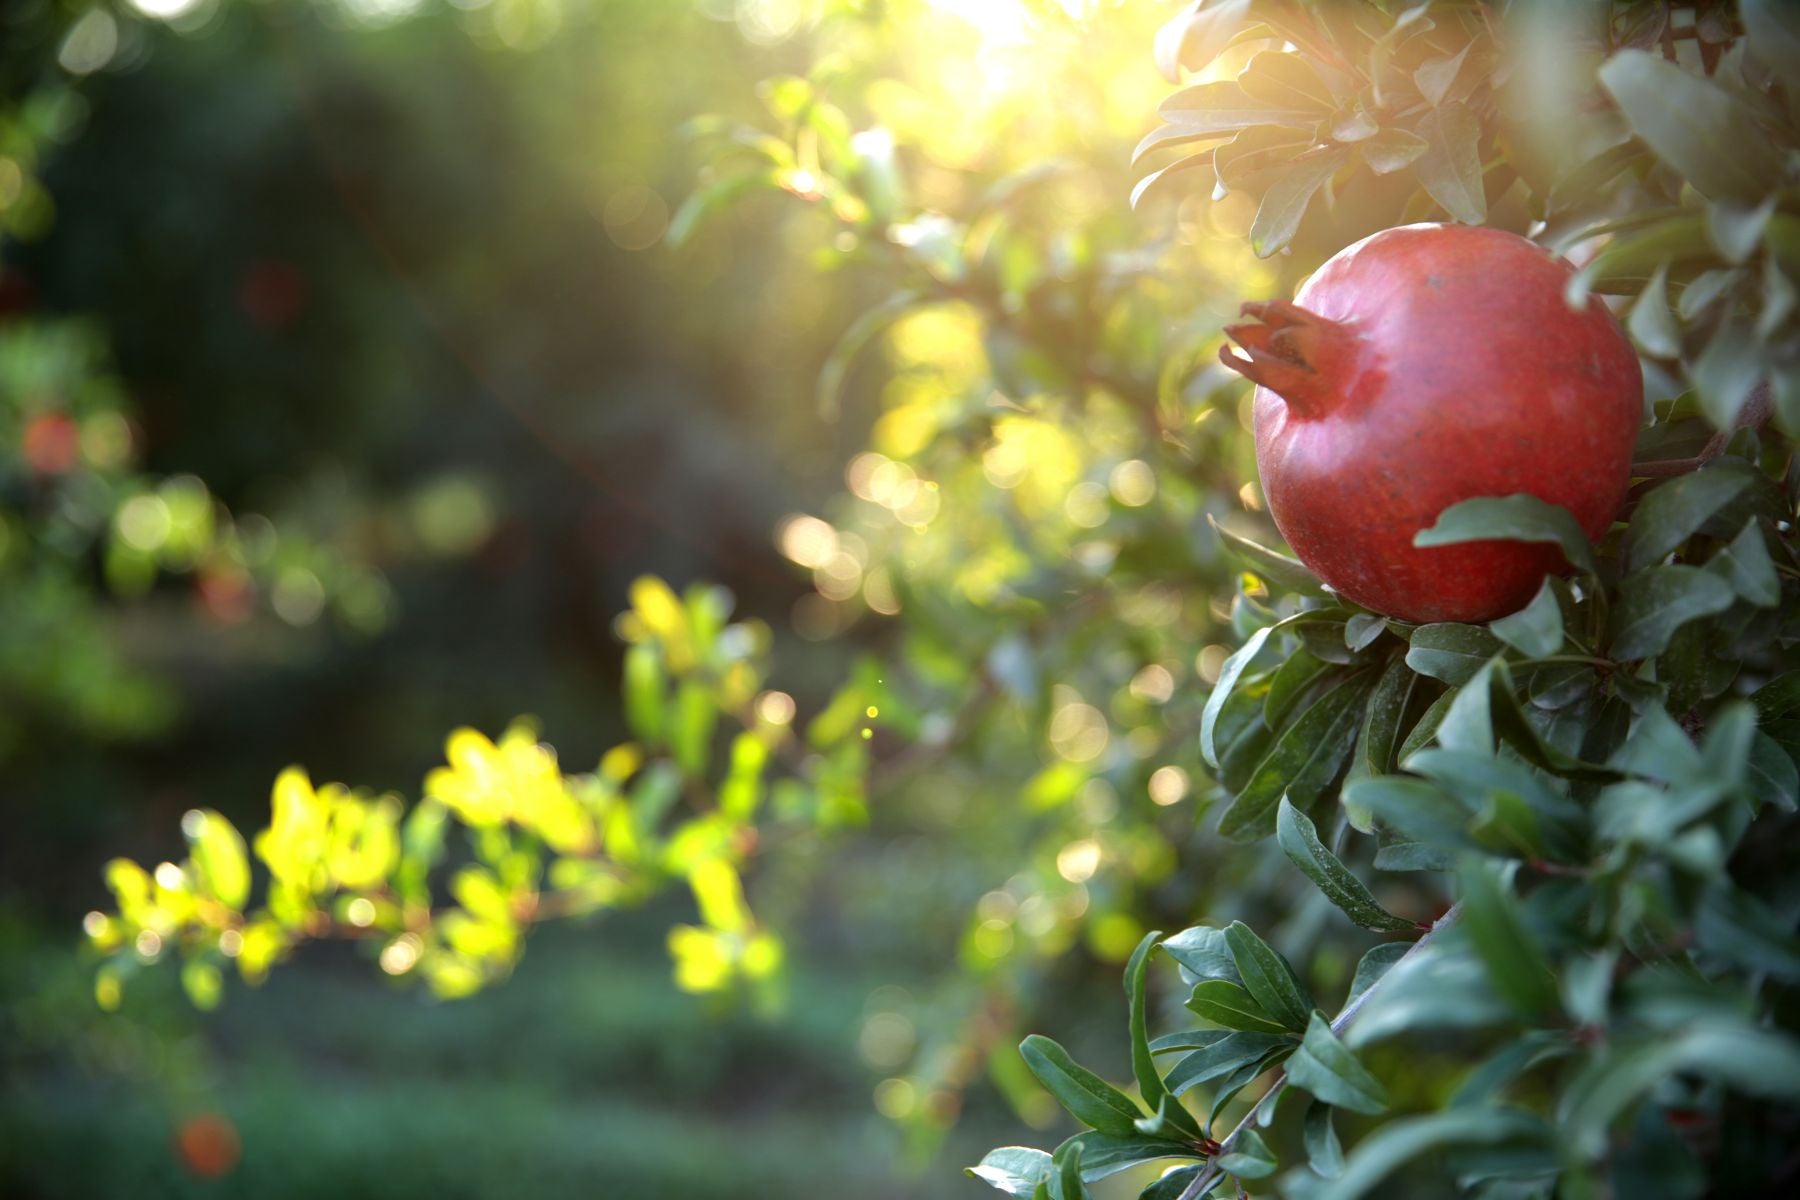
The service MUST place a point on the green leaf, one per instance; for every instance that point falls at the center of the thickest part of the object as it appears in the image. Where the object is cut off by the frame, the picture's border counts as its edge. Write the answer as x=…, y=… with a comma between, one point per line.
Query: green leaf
x=1653, y=604
x=1740, y=928
x=1515, y=963
x=1223, y=108
x=1515, y=518
x=1779, y=698
x=1250, y=1157
x=1771, y=774
x=1015, y=1170
x=1143, y=1064
x=1065, y=1177
x=1299, y=839
x=1435, y=75
x=1327, y=1069
x=1287, y=574
x=1422, y=811
x=644, y=684
x=1651, y=323
x=1737, y=229
x=851, y=343
x=221, y=862
x=1196, y=36
x=1451, y=652
x=1159, y=181
x=1286, y=81
x=1440, y=985
x=1202, y=953
x=1680, y=115
x=1302, y=763
x=1536, y=631
x=1361, y=630
x=1267, y=976
x=1089, y=1098
x=1188, y=1039
x=713, y=197
x=1227, y=1004
x=1426, y=727
x=1228, y=1054
x=1399, y=1142
x=1746, y=564
x=1450, y=168
x=1756, y=1061
x=1173, y=1185
x=1256, y=156
x=1229, y=673
x=1391, y=150
x=1292, y=680
x=1324, y=1154
x=1774, y=33
x=1104, y=1154
x=1670, y=514
x=1284, y=204
x=1727, y=371
x=1373, y=966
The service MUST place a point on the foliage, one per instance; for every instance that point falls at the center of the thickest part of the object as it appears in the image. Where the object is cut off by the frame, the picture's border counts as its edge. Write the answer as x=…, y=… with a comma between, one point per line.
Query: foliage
x=539, y=843
x=1605, y=778
x=1582, y=808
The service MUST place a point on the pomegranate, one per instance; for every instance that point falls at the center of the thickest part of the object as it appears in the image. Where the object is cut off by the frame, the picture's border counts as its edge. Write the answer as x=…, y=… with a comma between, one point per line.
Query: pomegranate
x=1420, y=367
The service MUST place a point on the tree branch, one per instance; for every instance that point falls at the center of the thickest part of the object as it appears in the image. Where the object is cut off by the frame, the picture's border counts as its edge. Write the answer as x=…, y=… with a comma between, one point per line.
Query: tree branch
x=1204, y=1181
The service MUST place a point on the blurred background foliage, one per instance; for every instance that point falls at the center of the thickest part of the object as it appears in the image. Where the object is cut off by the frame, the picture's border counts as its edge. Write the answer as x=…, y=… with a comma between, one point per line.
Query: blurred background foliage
x=358, y=356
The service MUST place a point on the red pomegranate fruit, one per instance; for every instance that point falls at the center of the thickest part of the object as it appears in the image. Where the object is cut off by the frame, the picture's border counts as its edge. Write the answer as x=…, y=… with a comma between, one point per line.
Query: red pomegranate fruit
x=1424, y=366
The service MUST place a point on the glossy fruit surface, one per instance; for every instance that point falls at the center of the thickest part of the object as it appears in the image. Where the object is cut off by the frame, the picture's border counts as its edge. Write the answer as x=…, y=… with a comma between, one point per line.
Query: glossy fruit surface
x=1420, y=367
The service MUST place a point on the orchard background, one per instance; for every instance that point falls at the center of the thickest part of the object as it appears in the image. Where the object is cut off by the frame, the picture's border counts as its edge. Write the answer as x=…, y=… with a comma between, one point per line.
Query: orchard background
x=809, y=412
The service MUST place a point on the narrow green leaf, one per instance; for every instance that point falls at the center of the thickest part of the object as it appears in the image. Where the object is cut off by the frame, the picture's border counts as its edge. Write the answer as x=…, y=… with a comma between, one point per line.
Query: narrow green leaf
x=1285, y=573
x=1065, y=1178
x=1745, y=562
x=1284, y=204
x=1202, y=953
x=1197, y=35
x=1104, y=1154
x=1372, y=966
x=715, y=196
x=1399, y=1142
x=1774, y=29
x=1737, y=229
x=1174, y=1183
x=1451, y=652
x=1771, y=774
x=1303, y=762
x=1679, y=115
x=1391, y=149
x=1515, y=518
x=1741, y=929
x=220, y=859
x=1426, y=727
x=1651, y=323
x=1361, y=630
x=1327, y=1069
x=1653, y=604
x=1536, y=631
x=1299, y=839
x=1143, y=1066
x=1227, y=1004
x=1229, y=674
x=1728, y=370
x=1292, y=680
x=1089, y=1098
x=1016, y=1170
x=1224, y=108
x=1421, y=810
x=1515, y=963
x=851, y=343
x=1756, y=1061
x=1442, y=985
x=1224, y=1056
x=1450, y=168
x=1324, y=1154
x=1673, y=512
x=1267, y=976
x=1250, y=1157
x=1160, y=180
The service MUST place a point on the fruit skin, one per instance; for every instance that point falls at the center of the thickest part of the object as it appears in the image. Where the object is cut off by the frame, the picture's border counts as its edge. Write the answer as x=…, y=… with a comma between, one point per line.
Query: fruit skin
x=1423, y=366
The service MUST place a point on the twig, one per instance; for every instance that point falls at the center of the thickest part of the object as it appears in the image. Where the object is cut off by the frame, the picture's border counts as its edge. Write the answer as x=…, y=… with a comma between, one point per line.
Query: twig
x=1204, y=1181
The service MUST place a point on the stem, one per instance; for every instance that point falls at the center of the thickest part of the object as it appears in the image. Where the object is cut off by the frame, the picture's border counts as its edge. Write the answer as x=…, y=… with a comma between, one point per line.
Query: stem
x=1758, y=410
x=1204, y=1181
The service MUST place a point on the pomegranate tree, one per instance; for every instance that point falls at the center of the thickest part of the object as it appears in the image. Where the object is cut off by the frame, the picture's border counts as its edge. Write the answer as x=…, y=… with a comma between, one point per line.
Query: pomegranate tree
x=1420, y=367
